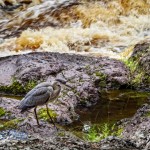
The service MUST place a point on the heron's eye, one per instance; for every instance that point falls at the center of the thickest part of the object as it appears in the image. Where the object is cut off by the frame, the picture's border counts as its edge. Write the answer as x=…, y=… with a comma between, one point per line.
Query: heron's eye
x=58, y=85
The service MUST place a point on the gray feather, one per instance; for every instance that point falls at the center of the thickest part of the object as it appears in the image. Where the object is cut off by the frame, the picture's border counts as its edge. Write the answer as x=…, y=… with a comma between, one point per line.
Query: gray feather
x=43, y=84
x=37, y=96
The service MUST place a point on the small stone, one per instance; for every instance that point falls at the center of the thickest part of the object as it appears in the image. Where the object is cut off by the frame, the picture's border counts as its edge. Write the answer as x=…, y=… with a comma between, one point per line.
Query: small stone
x=23, y=142
x=19, y=146
x=9, y=144
x=65, y=148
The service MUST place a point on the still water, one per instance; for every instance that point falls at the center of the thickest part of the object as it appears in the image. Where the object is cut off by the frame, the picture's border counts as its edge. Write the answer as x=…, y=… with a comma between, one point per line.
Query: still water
x=112, y=107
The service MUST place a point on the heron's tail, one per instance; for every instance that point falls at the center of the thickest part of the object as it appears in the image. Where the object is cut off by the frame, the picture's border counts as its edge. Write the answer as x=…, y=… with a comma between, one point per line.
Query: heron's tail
x=23, y=109
x=22, y=106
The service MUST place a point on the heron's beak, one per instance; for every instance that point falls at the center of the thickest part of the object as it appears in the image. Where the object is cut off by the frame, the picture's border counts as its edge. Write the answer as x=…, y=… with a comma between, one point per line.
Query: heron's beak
x=64, y=82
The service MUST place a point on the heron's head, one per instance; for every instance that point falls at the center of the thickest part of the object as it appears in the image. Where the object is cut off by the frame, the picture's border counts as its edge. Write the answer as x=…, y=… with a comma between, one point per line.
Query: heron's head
x=56, y=85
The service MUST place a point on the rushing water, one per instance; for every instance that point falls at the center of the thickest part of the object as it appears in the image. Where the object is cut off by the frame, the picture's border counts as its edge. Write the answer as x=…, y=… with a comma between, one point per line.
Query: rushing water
x=101, y=28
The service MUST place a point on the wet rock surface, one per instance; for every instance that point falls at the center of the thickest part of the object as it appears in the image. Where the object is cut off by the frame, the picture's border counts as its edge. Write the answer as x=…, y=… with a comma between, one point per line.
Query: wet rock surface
x=137, y=128
x=141, y=57
x=56, y=143
x=135, y=136
x=87, y=76
x=13, y=135
x=115, y=143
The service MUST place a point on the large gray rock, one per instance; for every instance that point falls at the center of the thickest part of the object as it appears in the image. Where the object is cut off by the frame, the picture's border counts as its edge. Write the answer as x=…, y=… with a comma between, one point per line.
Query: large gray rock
x=87, y=75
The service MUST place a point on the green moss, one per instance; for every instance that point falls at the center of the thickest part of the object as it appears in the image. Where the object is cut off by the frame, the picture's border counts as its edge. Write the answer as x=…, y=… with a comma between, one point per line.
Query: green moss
x=17, y=88
x=2, y=112
x=30, y=85
x=12, y=124
x=138, y=75
x=103, y=78
x=61, y=134
x=42, y=114
x=99, y=132
x=137, y=79
x=130, y=64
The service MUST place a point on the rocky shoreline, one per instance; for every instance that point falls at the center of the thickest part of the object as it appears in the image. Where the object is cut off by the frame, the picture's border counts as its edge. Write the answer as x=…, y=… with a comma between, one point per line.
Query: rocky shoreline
x=88, y=76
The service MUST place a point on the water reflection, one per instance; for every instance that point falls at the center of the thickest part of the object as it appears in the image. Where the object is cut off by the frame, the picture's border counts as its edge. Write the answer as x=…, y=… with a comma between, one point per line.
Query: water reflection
x=112, y=107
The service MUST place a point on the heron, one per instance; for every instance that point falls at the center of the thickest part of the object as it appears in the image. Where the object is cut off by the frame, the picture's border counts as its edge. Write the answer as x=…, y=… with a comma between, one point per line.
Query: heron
x=40, y=95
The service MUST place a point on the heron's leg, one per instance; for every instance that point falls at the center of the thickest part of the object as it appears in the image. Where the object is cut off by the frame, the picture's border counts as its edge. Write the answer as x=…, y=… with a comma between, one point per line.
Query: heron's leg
x=49, y=115
x=36, y=117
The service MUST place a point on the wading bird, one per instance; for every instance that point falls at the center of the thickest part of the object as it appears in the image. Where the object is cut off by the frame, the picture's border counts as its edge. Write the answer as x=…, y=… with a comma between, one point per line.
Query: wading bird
x=40, y=95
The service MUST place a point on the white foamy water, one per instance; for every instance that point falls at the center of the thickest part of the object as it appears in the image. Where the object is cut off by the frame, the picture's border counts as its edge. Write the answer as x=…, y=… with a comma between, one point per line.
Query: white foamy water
x=101, y=38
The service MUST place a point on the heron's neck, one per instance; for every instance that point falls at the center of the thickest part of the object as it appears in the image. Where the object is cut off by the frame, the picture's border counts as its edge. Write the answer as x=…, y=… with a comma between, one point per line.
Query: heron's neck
x=55, y=93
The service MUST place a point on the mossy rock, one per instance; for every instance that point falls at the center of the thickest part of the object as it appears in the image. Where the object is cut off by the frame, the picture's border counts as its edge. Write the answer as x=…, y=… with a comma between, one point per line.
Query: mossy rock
x=139, y=76
x=139, y=66
x=18, y=88
x=2, y=112
x=42, y=114
x=12, y=124
x=102, y=79
x=98, y=132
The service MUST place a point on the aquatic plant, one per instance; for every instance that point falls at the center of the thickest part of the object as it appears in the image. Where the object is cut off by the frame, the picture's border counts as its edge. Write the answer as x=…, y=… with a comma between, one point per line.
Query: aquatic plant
x=99, y=132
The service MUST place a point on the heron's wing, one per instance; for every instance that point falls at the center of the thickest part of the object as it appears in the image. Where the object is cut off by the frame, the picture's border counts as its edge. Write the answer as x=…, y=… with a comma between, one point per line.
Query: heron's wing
x=43, y=84
x=39, y=96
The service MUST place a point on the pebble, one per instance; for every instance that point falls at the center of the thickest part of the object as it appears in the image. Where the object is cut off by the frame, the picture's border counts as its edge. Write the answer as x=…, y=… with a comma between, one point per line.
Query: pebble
x=19, y=146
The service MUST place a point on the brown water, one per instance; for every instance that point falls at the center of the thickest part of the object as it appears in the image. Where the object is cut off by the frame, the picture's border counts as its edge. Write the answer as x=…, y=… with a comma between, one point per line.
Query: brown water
x=112, y=107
